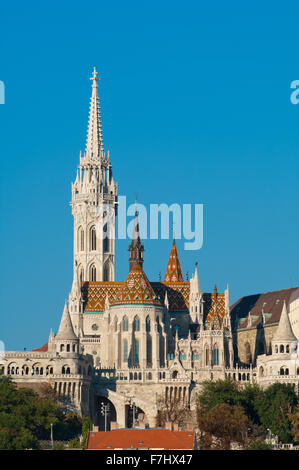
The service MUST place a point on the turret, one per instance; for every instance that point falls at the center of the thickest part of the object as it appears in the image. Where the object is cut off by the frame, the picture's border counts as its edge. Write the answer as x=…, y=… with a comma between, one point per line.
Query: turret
x=195, y=299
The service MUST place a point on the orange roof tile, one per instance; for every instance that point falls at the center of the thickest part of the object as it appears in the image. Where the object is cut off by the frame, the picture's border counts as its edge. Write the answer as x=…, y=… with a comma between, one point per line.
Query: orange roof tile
x=140, y=439
x=173, y=270
x=44, y=348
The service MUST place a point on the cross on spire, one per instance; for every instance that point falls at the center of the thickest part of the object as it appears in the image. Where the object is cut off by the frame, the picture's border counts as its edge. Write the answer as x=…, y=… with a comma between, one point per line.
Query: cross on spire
x=94, y=76
x=94, y=144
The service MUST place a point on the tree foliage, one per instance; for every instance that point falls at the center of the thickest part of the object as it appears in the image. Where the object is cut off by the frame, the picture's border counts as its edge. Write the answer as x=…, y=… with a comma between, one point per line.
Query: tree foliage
x=26, y=417
x=294, y=419
x=221, y=426
x=270, y=409
x=274, y=406
x=172, y=411
x=86, y=428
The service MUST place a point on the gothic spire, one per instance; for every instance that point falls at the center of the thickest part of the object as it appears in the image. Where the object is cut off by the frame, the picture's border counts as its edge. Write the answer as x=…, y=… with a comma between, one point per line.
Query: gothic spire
x=174, y=270
x=136, y=248
x=94, y=144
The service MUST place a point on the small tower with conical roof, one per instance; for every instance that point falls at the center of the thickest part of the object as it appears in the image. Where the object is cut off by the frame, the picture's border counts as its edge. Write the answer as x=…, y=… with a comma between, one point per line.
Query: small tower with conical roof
x=66, y=341
x=284, y=339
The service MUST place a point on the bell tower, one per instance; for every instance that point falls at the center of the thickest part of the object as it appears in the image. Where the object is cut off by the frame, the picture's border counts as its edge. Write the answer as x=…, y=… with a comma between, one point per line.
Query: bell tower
x=94, y=200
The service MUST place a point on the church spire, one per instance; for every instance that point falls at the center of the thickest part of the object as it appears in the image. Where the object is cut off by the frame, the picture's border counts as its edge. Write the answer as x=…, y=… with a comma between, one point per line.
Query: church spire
x=94, y=144
x=136, y=248
x=174, y=270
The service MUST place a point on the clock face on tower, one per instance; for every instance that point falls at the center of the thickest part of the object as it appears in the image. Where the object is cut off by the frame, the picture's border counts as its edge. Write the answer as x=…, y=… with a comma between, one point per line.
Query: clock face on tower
x=94, y=327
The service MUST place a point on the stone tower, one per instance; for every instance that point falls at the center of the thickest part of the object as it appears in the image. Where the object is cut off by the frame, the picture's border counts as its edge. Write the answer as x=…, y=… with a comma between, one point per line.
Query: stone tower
x=94, y=200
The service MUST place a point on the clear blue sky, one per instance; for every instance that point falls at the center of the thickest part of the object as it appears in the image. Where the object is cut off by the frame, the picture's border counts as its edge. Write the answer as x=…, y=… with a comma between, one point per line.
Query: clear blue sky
x=196, y=109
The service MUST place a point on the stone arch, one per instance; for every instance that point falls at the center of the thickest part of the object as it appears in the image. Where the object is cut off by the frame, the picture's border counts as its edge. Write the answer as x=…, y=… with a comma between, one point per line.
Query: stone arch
x=99, y=418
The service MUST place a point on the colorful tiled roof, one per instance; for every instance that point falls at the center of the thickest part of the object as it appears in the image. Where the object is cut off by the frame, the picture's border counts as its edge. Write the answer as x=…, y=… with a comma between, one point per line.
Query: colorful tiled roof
x=177, y=293
x=174, y=270
x=214, y=309
x=140, y=439
x=94, y=294
x=137, y=289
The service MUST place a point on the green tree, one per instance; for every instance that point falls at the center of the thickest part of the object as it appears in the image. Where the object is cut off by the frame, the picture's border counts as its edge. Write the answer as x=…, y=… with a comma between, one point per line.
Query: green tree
x=274, y=406
x=74, y=443
x=221, y=426
x=294, y=419
x=220, y=391
x=26, y=417
x=259, y=444
x=86, y=428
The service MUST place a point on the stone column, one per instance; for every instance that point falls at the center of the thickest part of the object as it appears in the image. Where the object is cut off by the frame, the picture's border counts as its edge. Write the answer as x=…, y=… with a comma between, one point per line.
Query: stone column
x=156, y=348
x=143, y=348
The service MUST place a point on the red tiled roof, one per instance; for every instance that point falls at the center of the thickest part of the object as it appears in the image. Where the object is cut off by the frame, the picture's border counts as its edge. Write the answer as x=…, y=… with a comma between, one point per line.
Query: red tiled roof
x=44, y=348
x=140, y=439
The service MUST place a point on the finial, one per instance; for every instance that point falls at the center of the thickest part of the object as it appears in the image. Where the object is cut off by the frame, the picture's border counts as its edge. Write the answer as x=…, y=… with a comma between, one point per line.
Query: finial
x=94, y=76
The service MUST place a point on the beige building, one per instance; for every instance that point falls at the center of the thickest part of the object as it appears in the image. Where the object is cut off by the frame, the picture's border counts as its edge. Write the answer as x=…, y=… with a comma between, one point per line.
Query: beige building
x=122, y=345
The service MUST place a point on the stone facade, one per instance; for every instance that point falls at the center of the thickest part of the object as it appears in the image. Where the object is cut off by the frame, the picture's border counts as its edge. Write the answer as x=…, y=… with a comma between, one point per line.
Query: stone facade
x=128, y=343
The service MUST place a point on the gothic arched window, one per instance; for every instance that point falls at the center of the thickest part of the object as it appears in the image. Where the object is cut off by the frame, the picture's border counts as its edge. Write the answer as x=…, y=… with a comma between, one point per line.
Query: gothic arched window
x=92, y=273
x=148, y=324
x=105, y=239
x=136, y=324
x=216, y=356
x=80, y=239
x=125, y=324
x=92, y=239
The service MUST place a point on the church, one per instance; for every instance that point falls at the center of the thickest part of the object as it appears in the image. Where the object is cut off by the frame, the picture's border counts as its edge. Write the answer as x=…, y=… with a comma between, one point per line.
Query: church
x=126, y=345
